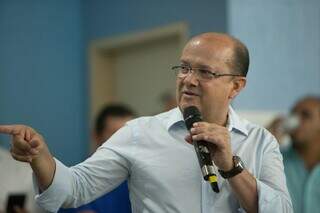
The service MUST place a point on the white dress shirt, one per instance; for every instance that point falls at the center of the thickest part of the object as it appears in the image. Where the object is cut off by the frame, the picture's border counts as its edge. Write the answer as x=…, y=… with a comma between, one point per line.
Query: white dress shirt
x=163, y=171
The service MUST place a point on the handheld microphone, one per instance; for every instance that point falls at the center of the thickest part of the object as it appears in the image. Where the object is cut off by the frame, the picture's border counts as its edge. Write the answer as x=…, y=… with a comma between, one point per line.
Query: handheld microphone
x=191, y=115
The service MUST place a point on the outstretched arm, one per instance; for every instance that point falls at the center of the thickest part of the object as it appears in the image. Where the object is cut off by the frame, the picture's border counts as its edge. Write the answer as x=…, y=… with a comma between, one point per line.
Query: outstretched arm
x=29, y=146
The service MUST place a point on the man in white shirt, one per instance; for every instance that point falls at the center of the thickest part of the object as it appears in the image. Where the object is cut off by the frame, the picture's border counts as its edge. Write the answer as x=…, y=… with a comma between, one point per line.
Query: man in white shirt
x=161, y=167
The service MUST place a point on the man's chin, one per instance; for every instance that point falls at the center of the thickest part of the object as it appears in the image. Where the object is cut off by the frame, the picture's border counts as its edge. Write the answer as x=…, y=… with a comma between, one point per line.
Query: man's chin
x=184, y=105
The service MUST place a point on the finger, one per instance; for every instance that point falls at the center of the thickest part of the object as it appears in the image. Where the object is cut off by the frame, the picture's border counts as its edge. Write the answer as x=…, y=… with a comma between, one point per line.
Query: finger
x=32, y=152
x=188, y=139
x=32, y=132
x=28, y=135
x=9, y=129
x=199, y=124
x=35, y=142
x=22, y=134
x=209, y=129
x=18, y=151
x=205, y=124
x=23, y=158
x=30, y=147
x=21, y=144
x=209, y=138
x=201, y=129
x=198, y=137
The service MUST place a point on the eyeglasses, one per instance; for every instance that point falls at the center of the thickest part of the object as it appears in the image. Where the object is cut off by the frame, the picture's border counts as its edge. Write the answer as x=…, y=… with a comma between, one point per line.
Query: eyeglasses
x=183, y=71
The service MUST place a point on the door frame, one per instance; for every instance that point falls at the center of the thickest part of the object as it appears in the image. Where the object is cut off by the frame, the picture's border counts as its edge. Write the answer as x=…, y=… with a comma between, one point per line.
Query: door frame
x=101, y=74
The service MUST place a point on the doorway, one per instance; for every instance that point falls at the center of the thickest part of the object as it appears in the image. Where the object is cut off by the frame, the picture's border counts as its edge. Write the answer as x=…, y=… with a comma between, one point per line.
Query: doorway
x=135, y=69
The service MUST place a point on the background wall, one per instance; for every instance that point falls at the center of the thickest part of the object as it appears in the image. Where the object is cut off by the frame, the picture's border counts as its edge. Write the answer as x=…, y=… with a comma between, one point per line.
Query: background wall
x=42, y=72
x=283, y=37
x=107, y=18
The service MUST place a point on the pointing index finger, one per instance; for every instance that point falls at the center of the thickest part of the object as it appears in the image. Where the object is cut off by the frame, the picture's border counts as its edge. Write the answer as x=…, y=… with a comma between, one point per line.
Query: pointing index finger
x=9, y=129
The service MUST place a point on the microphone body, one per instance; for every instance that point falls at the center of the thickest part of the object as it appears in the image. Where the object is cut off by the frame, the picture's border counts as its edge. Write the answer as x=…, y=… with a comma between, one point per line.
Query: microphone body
x=191, y=115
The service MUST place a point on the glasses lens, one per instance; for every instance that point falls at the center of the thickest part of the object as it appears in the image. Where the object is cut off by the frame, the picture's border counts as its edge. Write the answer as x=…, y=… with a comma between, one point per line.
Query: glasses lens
x=180, y=71
x=200, y=74
x=204, y=74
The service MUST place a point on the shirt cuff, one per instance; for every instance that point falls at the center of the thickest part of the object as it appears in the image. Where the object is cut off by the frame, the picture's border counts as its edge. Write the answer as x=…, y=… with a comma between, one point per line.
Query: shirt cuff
x=57, y=193
x=270, y=200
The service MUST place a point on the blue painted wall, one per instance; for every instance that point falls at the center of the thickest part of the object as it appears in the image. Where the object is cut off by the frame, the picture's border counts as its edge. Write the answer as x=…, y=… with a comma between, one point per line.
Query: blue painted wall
x=284, y=40
x=109, y=18
x=42, y=78
x=43, y=68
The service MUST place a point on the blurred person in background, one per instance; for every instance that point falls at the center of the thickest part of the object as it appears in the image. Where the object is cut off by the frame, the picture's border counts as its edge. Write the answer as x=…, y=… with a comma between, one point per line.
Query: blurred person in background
x=302, y=158
x=168, y=101
x=111, y=118
x=16, y=178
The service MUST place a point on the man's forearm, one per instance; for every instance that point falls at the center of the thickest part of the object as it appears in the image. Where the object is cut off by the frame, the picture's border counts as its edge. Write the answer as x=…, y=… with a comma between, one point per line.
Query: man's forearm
x=44, y=168
x=244, y=185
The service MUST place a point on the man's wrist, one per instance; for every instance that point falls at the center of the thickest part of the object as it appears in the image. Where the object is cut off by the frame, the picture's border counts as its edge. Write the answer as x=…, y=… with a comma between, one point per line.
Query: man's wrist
x=44, y=167
x=228, y=165
x=236, y=169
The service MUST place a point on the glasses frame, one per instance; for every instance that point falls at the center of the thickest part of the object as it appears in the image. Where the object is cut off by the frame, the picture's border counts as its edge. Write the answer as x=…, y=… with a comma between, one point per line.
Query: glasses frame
x=177, y=69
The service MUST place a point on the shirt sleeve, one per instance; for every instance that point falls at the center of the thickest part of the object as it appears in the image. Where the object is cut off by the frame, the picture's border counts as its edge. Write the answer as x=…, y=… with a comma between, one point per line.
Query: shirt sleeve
x=271, y=185
x=102, y=172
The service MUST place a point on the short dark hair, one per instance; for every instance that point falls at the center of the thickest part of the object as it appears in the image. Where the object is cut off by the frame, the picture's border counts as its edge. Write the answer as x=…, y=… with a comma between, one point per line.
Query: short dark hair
x=241, y=58
x=312, y=97
x=113, y=110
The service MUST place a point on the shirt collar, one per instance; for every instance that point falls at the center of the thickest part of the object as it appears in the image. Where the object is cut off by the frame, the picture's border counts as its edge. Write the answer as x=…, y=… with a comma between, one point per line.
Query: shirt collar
x=175, y=117
x=234, y=121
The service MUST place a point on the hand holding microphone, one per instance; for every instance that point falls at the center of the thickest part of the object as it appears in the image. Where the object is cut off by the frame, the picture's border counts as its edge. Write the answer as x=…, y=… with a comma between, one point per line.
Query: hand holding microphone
x=212, y=143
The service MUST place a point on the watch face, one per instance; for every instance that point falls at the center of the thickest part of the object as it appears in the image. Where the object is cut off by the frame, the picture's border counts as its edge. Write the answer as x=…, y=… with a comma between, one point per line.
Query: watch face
x=238, y=162
x=238, y=168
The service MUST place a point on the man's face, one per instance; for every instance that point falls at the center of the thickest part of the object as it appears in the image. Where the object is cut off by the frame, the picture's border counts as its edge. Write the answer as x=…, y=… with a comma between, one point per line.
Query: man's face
x=210, y=97
x=308, y=112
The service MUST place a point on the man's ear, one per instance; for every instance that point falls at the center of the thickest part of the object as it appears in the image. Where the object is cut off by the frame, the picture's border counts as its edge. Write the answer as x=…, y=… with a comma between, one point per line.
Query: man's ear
x=238, y=84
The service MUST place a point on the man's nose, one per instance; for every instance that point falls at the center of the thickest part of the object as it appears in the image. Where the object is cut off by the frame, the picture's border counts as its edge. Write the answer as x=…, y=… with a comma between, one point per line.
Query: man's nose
x=191, y=79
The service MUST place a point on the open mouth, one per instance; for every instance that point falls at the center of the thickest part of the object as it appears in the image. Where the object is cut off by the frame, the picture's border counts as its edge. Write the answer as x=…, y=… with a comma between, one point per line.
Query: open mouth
x=189, y=93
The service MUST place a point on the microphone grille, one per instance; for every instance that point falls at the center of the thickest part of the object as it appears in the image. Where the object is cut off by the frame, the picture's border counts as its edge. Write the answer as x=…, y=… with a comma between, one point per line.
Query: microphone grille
x=191, y=114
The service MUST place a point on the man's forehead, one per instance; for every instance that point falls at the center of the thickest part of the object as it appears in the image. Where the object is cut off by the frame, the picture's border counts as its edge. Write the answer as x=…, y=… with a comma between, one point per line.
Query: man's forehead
x=212, y=39
x=214, y=43
x=200, y=53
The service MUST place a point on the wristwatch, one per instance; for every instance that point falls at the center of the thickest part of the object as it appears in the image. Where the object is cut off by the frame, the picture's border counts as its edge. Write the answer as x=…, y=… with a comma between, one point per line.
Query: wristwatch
x=238, y=167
